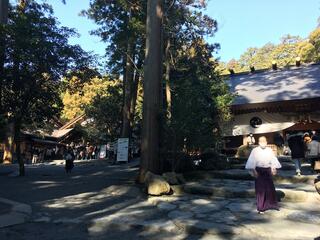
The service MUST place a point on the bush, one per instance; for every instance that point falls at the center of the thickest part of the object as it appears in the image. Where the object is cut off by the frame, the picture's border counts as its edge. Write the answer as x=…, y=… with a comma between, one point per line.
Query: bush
x=244, y=151
x=212, y=160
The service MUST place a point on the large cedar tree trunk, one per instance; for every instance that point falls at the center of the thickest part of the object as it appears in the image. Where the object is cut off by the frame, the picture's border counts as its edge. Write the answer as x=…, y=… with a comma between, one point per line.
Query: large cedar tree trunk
x=134, y=90
x=17, y=140
x=128, y=79
x=150, y=159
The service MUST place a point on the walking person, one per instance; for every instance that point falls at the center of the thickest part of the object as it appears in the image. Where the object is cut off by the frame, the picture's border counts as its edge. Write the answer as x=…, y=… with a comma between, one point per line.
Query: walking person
x=297, y=147
x=35, y=156
x=69, y=157
x=90, y=152
x=262, y=164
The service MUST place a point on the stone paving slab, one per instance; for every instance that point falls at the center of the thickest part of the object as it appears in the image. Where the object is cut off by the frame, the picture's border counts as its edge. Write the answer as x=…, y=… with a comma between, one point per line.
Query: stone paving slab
x=4, y=208
x=16, y=213
x=197, y=217
x=12, y=218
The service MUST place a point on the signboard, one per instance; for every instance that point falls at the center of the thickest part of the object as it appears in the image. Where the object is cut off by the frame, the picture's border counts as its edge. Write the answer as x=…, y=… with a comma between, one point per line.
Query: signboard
x=122, y=150
x=103, y=151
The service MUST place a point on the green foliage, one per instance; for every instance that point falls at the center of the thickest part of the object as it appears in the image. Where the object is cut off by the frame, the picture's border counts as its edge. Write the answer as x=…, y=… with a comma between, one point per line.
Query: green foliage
x=314, y=39
x=199, y=96
x=287, y=51
x=99, y=98
x=79, y=95
x=260, y=58
x=37, y=55
x=105, y=111
x=119, y=22
x=307, y=52
x=284, y=53
x=200, y=99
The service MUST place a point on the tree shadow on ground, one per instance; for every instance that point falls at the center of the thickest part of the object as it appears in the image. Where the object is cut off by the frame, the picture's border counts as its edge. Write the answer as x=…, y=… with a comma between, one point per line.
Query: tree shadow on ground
x=99, y=201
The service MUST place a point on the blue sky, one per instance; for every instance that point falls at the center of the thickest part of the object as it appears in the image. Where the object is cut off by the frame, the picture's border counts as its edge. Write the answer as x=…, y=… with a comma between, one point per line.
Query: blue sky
x=242, y=23
x=253, y=23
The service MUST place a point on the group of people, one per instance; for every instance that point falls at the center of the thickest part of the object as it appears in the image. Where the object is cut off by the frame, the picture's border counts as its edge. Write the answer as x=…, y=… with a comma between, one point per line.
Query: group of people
x=263, y=164
x=84, y=151
x=301, y=146
x=36, y=155
x=78, y=152
x=304, y=146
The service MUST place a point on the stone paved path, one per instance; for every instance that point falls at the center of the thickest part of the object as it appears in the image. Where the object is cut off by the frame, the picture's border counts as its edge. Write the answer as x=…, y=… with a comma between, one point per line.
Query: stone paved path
x=238, y=217
x=103, y=202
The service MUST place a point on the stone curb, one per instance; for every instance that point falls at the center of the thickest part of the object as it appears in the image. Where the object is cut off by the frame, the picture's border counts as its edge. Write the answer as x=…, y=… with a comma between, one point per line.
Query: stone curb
x=18, y=214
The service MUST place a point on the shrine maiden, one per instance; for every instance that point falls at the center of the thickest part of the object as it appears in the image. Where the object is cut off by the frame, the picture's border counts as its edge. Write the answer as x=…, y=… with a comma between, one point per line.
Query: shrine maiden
x=262, y=164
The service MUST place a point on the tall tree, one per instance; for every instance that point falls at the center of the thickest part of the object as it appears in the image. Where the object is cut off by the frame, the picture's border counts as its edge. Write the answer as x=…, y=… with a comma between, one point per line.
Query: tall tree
x=200, y=99
x=105, y=110
x=75, y=101
x=37, y=55
x=284, y=53
x=4, y=5
x=183, y=24
x=121, y=26
x=314, y=51
x=150, y=159
x=287, y=51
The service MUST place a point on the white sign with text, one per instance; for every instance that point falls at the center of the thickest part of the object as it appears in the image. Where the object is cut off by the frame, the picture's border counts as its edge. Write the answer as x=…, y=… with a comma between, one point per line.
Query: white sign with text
x=123, y=150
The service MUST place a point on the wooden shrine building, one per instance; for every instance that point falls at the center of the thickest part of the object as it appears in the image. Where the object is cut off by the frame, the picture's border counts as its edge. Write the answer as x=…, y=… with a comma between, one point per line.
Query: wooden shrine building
x=274, y=101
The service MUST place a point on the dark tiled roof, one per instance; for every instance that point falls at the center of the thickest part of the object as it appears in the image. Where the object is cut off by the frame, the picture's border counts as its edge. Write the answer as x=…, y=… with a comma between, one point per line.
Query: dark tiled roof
x=277, y=85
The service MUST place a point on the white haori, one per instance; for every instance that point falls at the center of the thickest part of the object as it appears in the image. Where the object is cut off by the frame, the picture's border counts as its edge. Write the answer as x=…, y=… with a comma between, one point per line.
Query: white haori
x=262, y=157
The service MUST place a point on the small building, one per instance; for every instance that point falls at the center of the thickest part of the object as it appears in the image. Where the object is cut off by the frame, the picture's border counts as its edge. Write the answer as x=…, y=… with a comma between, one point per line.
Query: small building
x=274, y=101
x=42, y=143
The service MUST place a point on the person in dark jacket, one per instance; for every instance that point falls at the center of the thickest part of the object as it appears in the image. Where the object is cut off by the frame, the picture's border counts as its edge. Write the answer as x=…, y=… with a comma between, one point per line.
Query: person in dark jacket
x=279, y=142
x=69, y=157
x=296, y=146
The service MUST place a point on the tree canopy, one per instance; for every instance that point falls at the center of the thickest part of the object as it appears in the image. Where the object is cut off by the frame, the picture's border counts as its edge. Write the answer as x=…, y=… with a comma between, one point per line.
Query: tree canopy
x=284, y=53
x=37, y=55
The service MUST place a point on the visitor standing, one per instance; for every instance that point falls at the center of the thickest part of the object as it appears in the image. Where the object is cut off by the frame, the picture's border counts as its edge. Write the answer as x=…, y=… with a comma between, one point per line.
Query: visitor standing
x=296, y=145
x=250, y=139
x=262, y=164
x=89, y=152
x=69, y=157
x=313, y=152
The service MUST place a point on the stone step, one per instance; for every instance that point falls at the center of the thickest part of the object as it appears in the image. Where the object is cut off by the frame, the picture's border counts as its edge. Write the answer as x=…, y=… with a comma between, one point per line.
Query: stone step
x=287, y=166
x=241, y=174
x=283, y=194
